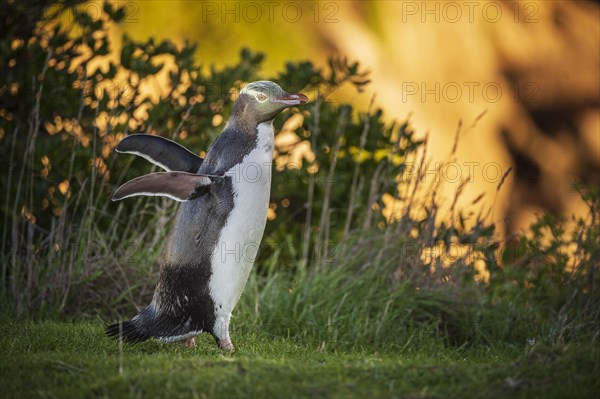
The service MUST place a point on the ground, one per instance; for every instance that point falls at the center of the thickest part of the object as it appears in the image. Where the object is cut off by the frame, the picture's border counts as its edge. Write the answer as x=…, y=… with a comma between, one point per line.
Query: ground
x=50, y=359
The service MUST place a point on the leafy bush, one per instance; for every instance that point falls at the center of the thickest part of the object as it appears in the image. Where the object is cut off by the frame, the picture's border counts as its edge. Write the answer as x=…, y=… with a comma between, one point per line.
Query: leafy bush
x=551, y=274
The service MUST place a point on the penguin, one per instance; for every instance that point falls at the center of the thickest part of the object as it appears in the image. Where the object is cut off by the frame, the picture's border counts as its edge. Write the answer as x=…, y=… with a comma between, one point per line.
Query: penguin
x=224, y=199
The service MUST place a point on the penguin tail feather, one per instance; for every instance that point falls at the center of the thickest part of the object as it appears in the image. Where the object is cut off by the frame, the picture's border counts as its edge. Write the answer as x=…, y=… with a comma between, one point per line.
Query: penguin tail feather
x=127, y=331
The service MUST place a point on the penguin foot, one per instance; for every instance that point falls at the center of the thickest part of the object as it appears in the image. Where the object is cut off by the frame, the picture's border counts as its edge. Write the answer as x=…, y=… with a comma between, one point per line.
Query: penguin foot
x=190, y=342
x=226, y=344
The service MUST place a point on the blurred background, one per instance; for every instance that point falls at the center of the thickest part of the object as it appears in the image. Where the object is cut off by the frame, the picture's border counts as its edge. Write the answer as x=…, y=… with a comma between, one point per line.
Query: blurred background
x=531, y=66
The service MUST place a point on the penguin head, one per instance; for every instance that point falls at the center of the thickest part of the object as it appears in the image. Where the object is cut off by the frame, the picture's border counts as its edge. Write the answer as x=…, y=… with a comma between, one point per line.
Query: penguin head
x=263, y=100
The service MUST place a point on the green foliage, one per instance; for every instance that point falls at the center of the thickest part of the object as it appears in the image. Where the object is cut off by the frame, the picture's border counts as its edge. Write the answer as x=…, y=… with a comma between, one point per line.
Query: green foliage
x=378, y=292
x=552, y=273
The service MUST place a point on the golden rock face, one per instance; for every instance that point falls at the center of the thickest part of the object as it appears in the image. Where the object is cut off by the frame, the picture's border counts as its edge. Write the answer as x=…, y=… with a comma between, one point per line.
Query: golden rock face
x=530, y=66
x=533, y=66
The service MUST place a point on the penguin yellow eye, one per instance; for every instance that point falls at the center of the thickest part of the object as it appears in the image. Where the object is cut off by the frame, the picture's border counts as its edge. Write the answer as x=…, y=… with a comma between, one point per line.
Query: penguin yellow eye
x=261, y=97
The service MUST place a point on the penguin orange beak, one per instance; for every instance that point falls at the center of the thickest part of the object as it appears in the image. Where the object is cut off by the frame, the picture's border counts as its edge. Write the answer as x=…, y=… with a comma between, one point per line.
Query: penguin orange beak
x=292, y=99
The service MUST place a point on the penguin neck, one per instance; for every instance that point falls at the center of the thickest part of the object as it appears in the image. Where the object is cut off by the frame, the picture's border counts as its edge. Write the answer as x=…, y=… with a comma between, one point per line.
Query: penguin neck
x=247, y=127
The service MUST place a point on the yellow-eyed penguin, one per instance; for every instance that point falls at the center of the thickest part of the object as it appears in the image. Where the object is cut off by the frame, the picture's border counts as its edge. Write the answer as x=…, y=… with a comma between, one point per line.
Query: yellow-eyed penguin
x=215, y=238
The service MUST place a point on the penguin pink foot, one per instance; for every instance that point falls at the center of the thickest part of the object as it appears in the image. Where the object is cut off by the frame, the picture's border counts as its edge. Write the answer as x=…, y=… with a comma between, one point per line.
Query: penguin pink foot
x=226, y=344
x=190, y=342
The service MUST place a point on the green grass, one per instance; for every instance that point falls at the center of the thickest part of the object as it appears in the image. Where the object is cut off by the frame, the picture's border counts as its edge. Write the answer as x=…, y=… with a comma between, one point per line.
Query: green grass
x=52, y=359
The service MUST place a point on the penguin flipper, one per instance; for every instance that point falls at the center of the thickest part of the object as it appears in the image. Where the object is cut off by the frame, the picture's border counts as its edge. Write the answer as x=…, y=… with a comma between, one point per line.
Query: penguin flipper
x=163, y=152
x=180, y=186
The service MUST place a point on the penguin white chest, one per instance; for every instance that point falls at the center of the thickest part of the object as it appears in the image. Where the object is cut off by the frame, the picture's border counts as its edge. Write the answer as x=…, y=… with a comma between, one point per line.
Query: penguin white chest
x=238, y=243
